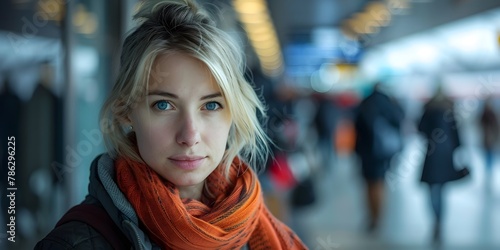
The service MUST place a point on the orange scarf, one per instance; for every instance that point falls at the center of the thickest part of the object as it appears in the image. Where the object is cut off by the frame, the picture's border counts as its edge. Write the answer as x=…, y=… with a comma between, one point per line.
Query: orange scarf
x=237, y=217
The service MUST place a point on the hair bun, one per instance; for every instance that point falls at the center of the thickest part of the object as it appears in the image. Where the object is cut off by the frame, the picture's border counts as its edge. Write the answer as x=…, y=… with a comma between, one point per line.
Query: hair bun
x=171, y=12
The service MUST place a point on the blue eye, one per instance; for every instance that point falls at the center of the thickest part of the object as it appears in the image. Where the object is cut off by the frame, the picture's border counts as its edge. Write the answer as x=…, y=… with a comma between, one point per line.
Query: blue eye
x=212, y=106
x=163, y=105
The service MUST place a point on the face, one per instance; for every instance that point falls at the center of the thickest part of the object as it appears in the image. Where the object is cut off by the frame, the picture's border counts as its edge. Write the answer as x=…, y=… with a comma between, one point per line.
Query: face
x=183, y=123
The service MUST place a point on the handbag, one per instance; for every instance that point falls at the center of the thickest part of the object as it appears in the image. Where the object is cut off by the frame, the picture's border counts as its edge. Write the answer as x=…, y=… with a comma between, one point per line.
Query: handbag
x=459, y=157
x=386, y=139
x=304, y=194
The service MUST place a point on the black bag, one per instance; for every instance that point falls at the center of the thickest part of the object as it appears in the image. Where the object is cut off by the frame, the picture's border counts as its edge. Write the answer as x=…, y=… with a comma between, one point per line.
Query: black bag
x=460, y=160
x=462, y=173
x=304, y=194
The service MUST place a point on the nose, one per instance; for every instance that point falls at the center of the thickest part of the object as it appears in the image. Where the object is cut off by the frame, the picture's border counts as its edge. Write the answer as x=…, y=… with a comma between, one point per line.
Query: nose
x=188, y=133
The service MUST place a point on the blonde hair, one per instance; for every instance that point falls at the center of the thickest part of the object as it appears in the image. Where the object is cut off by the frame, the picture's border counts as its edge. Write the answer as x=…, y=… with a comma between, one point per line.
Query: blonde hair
x=182, y=26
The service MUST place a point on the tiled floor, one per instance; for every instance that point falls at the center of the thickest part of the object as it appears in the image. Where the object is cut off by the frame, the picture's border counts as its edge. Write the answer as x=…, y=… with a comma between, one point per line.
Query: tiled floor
x=337, y=219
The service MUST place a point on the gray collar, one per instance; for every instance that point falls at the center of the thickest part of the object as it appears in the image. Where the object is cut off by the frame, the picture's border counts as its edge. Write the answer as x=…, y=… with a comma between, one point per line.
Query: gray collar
x=104, y=188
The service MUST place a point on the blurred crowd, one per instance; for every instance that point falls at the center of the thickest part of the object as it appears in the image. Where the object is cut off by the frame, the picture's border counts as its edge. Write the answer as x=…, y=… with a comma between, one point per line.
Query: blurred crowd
x=312, y=131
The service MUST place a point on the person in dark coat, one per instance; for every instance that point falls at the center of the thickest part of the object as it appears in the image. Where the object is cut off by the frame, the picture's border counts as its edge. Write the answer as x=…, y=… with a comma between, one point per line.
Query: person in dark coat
x=491, y=132
x=439, y=127
x=378, y=114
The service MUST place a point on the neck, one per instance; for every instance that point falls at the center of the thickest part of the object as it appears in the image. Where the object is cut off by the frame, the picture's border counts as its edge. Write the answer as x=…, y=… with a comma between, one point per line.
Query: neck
x=191, y=192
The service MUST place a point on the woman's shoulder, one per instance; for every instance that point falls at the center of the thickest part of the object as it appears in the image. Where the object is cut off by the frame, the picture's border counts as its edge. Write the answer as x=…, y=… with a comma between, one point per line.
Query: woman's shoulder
x=74, y=235
x=85, y=226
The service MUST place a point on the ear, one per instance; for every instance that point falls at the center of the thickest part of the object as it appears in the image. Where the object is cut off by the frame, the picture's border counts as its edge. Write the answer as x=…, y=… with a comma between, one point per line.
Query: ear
x=125, y=121
x=126, y=124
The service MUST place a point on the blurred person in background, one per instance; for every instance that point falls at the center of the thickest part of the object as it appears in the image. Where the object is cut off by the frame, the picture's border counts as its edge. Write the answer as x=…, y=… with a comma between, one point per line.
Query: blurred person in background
x=378, y=139
x=325, y=120
x=490, y=132
x=439, y=127
x=183, y=141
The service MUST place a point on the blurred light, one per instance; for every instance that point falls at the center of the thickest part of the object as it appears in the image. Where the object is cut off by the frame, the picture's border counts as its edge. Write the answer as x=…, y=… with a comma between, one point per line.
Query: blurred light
x=272, y=65
x=273, y=43
x=361, y=26
x=257, y=23
x=254, y=18
x=258, y=28
x=376, y=14
x=426, y=53
x=317, y=84
x=472, y=43
x=329, y=74
x=80, y=15
x=325, y=37
x=270, y=53
x=366, y=24
x=275, y=60
x=261, y=36
x=379, y=12
x=396, y=62
x=333, y=77
x=85, y=61
x=355, y=25
x=251, y=7
x=86, y=22
x=51, y=9
x=345, y=68
x=90, y=25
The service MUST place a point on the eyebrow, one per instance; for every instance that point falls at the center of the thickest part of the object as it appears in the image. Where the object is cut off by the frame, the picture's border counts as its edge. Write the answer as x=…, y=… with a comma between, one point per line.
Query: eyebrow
x=168, y=94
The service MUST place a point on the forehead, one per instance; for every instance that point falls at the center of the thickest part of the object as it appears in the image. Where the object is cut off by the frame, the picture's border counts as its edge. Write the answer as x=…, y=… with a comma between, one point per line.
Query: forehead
x=172, y=68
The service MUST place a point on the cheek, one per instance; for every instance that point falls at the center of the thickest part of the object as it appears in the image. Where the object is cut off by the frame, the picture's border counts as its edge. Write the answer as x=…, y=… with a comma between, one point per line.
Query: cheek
x=151, y=138
x=218, y=137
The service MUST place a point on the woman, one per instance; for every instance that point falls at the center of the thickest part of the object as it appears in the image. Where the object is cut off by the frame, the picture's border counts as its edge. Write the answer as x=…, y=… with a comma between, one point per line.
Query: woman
x=440, y=128
x=183, y=135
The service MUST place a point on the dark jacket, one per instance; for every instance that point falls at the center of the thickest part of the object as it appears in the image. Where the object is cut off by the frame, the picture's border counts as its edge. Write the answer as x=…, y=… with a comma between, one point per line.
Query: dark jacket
x=376, y=106
x=74, y=235
x=439, y=127
x=103, y=191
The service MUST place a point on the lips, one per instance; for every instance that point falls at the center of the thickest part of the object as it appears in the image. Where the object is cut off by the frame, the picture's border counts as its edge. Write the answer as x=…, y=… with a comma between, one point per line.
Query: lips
x=187, y=162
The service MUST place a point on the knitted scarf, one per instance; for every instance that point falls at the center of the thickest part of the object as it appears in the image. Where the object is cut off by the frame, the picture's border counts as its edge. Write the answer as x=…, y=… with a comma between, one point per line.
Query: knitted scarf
x=237, y=216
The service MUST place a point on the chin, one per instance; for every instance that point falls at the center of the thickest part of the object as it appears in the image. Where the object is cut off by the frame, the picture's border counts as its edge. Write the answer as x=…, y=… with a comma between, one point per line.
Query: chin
x=185, y=182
